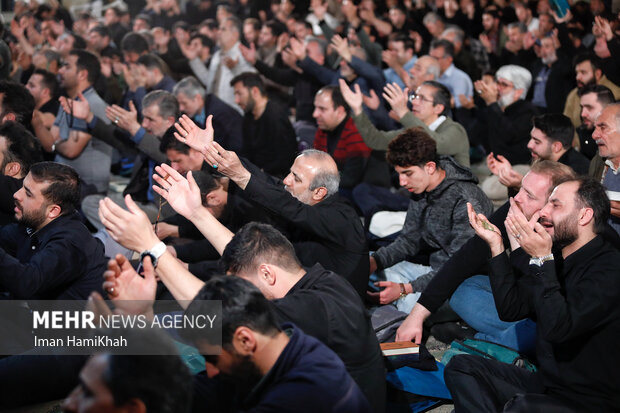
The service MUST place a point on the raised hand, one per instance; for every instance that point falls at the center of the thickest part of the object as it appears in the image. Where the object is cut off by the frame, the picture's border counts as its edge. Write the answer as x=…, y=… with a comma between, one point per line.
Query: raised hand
x=353, y=99
x=189, y=133
x=510, y=178
x=131, y=293
x=372, y=101
x=298, y=49
x=182, y=194
x=79, y=108
x=131, y=228
x=124, y=119
x=485, y=230
x=228, y=164
x=248, y=53
x=531, y=235
x=342, y=47
x=397, y=98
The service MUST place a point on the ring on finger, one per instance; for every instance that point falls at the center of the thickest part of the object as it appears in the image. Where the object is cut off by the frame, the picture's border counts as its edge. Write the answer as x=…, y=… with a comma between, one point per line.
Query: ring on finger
x=517, y=236
x=214, y=165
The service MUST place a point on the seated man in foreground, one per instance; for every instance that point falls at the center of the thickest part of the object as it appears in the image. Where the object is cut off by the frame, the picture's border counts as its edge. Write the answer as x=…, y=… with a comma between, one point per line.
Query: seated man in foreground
x=49, y=254
x=464, y=276
x=574, y=300
x=322, y=226
x=436, y=222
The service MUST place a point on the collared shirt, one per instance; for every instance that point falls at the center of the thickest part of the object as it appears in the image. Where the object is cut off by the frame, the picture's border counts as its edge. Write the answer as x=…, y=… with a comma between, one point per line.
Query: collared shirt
x=458, y=82
x=60, y=261
x=436, y=123
x=392, y=77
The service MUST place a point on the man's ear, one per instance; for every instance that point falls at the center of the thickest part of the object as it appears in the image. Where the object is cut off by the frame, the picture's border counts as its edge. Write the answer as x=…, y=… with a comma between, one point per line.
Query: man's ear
x=9, y=117
x=556, y=146
x=13, y=169
x=244, y=341
x=213, y=200
x=267, y=274
x=586, y=215
x=598, y=74
x=438, y=109
x=54, y=211
x=430, y=167
x=319, y=193
x=134, y=405
x=518, y=94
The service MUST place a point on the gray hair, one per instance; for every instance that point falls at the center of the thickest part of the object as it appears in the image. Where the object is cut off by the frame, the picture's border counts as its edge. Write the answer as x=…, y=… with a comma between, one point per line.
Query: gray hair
x=165, y=101
x=522, y=28
x=520, y=77
x=322, y=43
x=190, y=87
x=323, y=178
x=459, y=34
x=433, y=68
x=431, y=17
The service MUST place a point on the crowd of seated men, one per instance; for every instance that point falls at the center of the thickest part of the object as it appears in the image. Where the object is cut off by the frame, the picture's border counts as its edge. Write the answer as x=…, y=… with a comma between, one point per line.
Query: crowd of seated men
x=306, y=162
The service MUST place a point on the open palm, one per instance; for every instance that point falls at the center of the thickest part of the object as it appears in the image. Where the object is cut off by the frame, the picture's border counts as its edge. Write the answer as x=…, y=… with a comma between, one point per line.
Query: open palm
x=192, y=135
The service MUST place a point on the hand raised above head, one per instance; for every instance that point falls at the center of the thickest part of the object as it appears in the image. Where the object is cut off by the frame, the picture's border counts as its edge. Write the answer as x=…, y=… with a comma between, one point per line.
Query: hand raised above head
x=192, y=135
x=182, y=194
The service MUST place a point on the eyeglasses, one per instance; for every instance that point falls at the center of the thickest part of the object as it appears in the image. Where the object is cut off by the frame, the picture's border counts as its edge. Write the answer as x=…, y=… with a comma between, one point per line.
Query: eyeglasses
x=415, y=96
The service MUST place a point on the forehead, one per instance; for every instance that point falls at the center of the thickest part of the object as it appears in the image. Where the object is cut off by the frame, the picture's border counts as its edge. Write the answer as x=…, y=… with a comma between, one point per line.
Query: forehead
x=585, y=65
x=538, y=134
x=536, y=184
x=151, y=111
x=174, y=154
x=323, y=99
x=36, y=78
x=425, y=91
x=304, y=167
x=405, y=169
x=564, y=192
x=606, y=117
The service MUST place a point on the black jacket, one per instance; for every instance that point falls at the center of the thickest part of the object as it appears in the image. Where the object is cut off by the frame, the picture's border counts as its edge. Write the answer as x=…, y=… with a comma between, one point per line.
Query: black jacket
x=329, y=232
x=61, y=261
x=560, y=82
x=575, y=303
x=8, y=186
x=269, y=141
x=325, y=306
x=509, y=130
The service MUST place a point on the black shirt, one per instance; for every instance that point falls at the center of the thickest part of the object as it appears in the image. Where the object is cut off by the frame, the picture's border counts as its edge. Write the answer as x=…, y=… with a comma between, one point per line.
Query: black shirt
x=60, y=261
x=329, y=232
x=269, y=142
x=325, y=306
x=575, y=303
x=575, y=160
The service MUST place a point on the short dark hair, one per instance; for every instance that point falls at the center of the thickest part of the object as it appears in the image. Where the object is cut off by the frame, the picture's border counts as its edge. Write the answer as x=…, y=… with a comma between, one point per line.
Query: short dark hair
x=22, y=146
x=594, y=60
x=557, y=127
x=89, y=62
x=205, y=40
x=258, y=243
x=337, y=98
x=64, y=184
x=160, y=380
x=143, y=16
x=276, y=27
x=48, y=81
x=134, y=42
x=16, y=99
x=242, y=305
x=78, y=41
x=591, y=194
x=441, y=95
x=448, y=47
x=413, y=147
x=152, y=61
x=168, y=141
x=250, y=80
x=408, y=43
x=180, y=24
x=604, y=96
x=102, y=30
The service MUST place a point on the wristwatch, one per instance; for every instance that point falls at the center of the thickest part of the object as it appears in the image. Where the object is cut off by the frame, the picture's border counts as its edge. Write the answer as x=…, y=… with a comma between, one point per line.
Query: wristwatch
x=541, y=260
x=403, y=292
x=154, y=252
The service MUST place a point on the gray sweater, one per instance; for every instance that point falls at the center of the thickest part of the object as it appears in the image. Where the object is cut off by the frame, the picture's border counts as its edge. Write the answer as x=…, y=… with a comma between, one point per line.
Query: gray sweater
x=437, y=221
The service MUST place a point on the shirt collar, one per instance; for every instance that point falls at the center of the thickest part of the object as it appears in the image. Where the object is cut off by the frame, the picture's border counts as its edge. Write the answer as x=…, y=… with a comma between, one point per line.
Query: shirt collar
x=436, y=123
x=611, y=166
